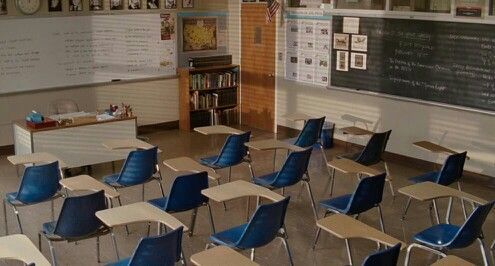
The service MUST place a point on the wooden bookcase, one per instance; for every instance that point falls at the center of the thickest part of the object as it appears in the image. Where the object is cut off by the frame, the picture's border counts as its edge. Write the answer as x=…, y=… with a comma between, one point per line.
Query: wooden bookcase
x=213, y=90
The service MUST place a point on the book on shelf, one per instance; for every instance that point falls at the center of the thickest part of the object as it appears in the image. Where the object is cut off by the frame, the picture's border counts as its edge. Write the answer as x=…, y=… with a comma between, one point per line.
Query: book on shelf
x=212, y=80
x=200, y=101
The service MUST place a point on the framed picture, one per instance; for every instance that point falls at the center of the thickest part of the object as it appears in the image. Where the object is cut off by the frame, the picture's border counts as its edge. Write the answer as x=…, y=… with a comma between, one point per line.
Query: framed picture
x=342, y=61
x=75, y=5
x=54, y=5
x=116, y=5
x=340, y=41
x=358, y=61
x=153, y=4
x=95, y=5
x=359, y=43
x=170, y=4
x=134, y=4
x=187, y=3
x=199, y=34
x=3, y=7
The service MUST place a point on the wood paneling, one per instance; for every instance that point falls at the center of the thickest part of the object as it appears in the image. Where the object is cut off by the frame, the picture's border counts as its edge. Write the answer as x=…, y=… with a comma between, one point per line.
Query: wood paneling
x=258, y=68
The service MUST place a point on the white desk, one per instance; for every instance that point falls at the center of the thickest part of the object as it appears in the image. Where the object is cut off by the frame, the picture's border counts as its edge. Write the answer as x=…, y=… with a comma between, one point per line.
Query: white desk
x=221, y=256
x=77, y=145
x=187, y=164
x=239, y=189
x=218, y=130
x=347, y=166
x=272, y=144
x=19, y=247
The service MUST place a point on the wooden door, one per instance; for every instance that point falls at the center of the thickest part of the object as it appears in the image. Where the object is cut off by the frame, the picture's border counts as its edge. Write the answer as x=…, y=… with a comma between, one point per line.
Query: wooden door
x=257, y=68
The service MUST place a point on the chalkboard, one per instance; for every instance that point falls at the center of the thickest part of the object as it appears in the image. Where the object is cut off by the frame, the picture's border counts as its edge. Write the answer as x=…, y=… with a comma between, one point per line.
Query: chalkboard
x=41, y=53
x=444, y=62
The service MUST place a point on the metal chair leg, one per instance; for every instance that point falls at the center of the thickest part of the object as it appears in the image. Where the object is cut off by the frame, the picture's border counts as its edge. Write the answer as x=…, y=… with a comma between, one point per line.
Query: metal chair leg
x=333, y=181
x=114, y=241
x=52, y=203
x=286, y=244
x=148, y=230
x=5, y=217
x=16, y=212
x=252, y=254
x=52, y=253
x=389, y=180
x=126, y=227
x=382, y=225
x=193, y=221
x=308, y=186
x=349, y=254
x=212, y=224
x=283, y=191
x=142, y=193
x=230, y=174
x=437, y=217
x=483, y=252
x=98, y=249
x=274, y=159
x=408, y=204
x=317, y=237
x=462, y=201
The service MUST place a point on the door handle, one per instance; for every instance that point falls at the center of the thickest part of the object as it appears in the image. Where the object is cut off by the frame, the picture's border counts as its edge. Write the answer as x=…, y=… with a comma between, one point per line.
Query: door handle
x=271, y=75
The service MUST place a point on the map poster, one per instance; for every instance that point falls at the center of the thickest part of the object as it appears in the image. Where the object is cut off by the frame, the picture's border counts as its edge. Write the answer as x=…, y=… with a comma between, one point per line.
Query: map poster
x=199, y=34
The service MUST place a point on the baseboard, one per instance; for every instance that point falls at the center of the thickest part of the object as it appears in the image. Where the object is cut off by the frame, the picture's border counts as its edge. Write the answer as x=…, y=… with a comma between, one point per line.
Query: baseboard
x=7, y=150
x=147, y=129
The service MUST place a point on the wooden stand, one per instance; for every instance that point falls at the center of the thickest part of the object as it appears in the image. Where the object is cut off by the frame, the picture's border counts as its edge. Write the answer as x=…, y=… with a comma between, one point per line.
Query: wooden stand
x=188, y=89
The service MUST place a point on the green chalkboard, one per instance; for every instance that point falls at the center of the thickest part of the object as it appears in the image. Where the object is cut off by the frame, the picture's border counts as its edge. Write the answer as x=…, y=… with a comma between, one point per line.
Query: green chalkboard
x=445, y=62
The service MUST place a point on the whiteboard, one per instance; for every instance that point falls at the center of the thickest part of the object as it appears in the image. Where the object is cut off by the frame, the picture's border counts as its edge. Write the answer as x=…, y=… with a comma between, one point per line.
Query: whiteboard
x=41, y=53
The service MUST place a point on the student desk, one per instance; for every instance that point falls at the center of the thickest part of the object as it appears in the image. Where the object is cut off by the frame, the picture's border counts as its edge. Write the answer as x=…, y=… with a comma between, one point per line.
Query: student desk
x=77, y=144
x=239, y=189
x=452, y=260
x=427, y=191
x=434, y=148
x=190, y=165
x=272, y=144
x=356, y=131
x=86, y=182
x=19, y=247
x=218, y=130
x=345, y=227
x=221, y=256
x=34, y=158
x=347, y=166
x=127, y=144
x=297, y=117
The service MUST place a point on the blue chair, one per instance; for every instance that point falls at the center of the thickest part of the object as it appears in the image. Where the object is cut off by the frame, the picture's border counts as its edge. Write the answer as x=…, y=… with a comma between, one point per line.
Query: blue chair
x=371, y=154
x=162, y=250
x=443, y=237
x=39, y=184
x=265, y=225
x=140, y=167
x=77, y=221
x=387, y=257
x=185, y=194
x=450, y=173
x=295, y=169
x=368, y=195
x=233, y=152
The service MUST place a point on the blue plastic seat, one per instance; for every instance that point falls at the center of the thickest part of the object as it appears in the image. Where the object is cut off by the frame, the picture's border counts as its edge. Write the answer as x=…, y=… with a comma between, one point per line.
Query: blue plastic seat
x=294, y=170
x=450, y=173
x=39, y=184
x=371, y=154
x=162, y=250
x=368, y=195
x=185, y=194
x=140, y=167
x=386, y=257
x=443, y=237
x=77, y=221
x=233, y=152
x=310, y=136
x=265, y=225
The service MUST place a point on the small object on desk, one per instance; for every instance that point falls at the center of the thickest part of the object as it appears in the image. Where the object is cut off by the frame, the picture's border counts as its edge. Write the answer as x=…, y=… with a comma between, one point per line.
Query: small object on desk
x=220, y=256
x=452, y=260
x=86, y=182
x=218, y=129
x=104, y=117
x=19, y=247
x=239, y=189
x=356, y=131
x=347, y=166
x=37, y=157
x=47, y=122
x=428, y=191
x=35, y=117
x=123, y=144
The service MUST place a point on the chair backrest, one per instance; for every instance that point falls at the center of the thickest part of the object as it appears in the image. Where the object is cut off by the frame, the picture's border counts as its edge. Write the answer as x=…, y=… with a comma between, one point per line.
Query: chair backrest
x=158, y=250
x=185, y=193
x=264, y=225
x=452, y=169
x=374, y=149
x=471, y=229
x=367, y=195
x=77, y=217
x=310, y=133
x=294, y=168
x=39, y=183
x=386, y=257
x=139, y=166
x=60, y=107
x=233, y=150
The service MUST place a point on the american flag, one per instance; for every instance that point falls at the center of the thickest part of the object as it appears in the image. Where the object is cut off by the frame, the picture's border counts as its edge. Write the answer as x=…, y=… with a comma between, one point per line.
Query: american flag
x=271, y=9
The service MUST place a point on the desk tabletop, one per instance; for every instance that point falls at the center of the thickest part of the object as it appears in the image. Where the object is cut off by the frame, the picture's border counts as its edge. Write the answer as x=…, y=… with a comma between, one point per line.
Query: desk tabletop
x=356, y=131
x=220, y=256
x=19, y=247
x=435, y=148
x=272, y=144
x=239, y=189
x=452, y=260
x=218, y=130
x=138, y=213
x=190, y=165
x=297, y=117
x=124, y=144
x=22, y=124
x=345, y=227
x=347, y=166
x=37, y=157
x=86, y=182
x=428, y=191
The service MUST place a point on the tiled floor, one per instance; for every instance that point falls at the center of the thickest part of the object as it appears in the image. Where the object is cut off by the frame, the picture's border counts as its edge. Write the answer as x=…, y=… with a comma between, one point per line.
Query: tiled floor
x=300, y=221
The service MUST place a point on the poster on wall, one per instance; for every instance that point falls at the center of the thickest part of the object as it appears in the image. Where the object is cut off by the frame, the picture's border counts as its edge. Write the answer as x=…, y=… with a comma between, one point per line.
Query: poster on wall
x=308, y=43
x=199, y=34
